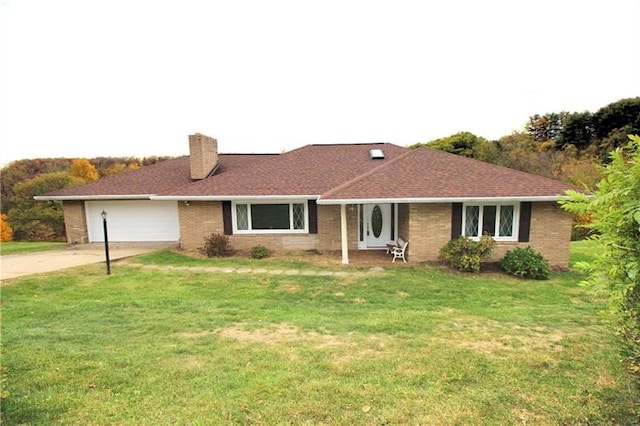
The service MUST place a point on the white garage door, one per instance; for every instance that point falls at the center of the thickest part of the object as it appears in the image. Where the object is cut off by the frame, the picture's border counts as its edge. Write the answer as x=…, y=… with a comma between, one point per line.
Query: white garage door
x=139, y=220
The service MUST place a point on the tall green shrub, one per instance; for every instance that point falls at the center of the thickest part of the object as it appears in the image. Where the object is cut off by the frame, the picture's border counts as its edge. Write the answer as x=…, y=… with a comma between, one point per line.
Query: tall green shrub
x=526, y=263
x=466, y=254
x=615, y=209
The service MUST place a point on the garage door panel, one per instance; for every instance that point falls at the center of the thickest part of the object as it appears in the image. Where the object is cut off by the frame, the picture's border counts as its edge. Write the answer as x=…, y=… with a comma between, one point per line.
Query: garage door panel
x=141, y=220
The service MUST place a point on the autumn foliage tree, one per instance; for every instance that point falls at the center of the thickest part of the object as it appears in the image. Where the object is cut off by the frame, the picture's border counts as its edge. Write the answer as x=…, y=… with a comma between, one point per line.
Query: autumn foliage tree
x=83, y=169
x=22, y=170
x=6, y=233
x=116, y=168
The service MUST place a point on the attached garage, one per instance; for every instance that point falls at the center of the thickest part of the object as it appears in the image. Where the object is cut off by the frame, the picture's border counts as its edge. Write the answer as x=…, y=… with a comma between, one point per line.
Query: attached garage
x=133, y=220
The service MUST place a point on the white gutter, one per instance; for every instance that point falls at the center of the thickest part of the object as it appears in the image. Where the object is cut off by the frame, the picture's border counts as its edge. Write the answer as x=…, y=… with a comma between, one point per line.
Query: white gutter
x=92, y=197
x=231, y=197
x=293, y=197
x=437, y=200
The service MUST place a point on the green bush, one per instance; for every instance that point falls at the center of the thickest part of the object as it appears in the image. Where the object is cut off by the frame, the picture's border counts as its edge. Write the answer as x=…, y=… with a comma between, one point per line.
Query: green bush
x=259, y=252
x=526, y=263
x=466, y=254
x=216, y=245
x=615, y=214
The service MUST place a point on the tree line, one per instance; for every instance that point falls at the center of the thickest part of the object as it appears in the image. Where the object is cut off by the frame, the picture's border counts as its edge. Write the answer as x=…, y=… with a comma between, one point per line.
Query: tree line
x=571, y=147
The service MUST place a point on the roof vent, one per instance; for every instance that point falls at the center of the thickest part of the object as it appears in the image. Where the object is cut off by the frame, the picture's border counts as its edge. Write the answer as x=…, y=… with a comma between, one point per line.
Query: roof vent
x=376, y=154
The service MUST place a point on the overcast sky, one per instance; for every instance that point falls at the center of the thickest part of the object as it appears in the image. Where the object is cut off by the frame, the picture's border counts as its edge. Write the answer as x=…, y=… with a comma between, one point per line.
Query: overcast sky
x=87, y=78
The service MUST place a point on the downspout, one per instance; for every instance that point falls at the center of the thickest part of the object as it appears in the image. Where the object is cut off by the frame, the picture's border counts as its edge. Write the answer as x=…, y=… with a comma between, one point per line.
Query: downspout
x=344, y=234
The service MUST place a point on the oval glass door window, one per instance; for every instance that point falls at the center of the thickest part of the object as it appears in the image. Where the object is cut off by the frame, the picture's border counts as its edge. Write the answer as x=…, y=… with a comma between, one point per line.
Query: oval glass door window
x=376, y=221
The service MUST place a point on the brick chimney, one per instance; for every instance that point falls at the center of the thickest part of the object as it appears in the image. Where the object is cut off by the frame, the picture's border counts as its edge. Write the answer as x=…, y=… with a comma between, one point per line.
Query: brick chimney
x=203, y=155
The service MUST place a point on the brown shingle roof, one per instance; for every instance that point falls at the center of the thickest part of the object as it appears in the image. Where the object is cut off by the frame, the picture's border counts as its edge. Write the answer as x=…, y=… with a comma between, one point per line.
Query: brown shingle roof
x=334, y=173
x=427, y=173
x=152, y=179
x=310, y=170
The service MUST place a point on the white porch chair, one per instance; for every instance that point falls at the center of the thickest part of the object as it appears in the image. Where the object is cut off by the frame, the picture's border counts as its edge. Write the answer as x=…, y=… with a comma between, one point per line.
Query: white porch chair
x=399, y=250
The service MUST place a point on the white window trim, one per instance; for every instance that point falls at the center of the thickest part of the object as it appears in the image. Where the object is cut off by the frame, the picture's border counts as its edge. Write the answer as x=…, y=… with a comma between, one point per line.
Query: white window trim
x=516, y=219
x=270, y=231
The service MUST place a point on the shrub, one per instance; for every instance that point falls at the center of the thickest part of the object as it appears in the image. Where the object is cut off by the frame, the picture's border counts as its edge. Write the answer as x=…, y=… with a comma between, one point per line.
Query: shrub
x=259, y=252
x=526, y=263
x=216, y=245
x=466, y=254
x=615, y=211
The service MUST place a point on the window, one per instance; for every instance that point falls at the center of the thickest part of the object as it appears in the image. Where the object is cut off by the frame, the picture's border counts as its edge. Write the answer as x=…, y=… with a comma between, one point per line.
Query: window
x=270, y=217
x=499, y=221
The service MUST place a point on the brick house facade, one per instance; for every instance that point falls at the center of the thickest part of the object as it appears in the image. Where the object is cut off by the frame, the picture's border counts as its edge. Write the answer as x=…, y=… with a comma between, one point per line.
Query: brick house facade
x=327, y=193
x=426, y=226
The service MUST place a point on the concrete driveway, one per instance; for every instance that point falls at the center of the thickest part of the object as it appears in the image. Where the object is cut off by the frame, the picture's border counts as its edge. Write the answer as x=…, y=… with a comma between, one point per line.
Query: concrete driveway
x=19, y=265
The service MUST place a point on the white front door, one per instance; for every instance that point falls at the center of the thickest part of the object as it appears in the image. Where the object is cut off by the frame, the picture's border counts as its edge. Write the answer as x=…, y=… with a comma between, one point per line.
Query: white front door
x=377, y=225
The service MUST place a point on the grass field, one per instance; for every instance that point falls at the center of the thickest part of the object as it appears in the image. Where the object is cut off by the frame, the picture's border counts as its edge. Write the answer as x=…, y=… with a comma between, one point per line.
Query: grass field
x=14, y=247
x=404, y=346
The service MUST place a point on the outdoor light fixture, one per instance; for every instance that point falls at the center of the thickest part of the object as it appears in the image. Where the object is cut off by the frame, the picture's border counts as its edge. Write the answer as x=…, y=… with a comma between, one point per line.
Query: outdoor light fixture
x=106, y=241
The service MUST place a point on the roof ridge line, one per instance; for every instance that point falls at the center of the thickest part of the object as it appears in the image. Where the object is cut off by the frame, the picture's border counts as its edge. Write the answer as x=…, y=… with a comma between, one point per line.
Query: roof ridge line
x=349, y=143
x=368, y=173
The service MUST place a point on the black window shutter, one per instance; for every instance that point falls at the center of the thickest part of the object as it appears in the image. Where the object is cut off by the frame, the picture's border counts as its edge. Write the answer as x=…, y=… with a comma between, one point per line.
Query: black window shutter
x=456, y=220
x=226, y=218
x=313, y=217
x=525, y=222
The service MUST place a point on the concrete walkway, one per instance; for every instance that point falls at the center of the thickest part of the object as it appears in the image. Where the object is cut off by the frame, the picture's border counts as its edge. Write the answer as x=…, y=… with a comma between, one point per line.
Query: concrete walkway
x=19, y=265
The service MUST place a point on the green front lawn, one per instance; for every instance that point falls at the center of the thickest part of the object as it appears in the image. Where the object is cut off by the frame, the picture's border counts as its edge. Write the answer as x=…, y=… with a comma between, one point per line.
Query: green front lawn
x=405, y=346
x=584, y=251
x=14, y=247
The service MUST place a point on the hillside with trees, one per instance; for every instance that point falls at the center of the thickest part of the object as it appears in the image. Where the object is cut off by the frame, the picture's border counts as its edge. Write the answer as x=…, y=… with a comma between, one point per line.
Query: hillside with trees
x=23, y=218
x=570, y=146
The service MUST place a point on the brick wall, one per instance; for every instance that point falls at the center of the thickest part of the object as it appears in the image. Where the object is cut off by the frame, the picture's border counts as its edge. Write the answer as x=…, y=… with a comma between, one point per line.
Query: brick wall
x=200, y=219
x=329, y=232
x=75, y=222
x=429, y=228
x=550, y=234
